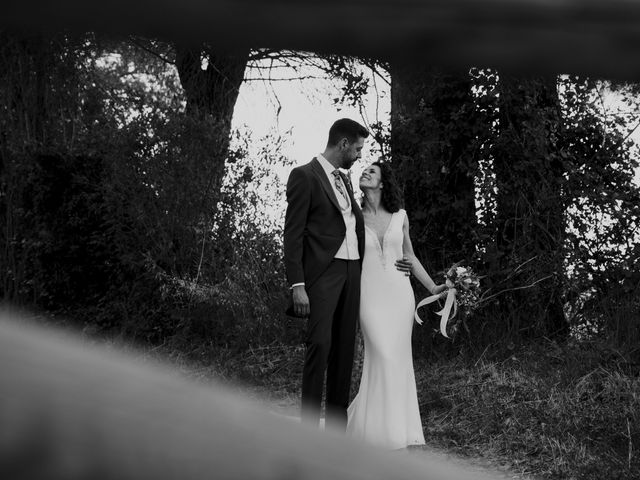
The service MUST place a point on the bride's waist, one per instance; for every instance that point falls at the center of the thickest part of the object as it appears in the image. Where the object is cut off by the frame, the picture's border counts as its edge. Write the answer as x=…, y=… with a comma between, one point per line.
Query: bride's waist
x=389, y=275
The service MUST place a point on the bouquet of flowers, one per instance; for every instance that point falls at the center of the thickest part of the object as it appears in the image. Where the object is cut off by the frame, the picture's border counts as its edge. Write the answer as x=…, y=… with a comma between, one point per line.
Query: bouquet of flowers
x=462, y=295
x=467, y=285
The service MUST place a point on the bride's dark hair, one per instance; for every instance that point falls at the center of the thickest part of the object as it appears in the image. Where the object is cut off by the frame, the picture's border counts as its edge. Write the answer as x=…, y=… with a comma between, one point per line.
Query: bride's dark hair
x=391, y=195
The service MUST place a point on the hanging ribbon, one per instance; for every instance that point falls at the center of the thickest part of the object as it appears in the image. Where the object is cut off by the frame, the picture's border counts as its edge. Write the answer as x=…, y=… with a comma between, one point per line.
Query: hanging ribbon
x=445, y=313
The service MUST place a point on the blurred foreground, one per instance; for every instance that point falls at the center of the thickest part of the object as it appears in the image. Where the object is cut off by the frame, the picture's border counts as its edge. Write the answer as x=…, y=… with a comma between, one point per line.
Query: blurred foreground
x=68, y=411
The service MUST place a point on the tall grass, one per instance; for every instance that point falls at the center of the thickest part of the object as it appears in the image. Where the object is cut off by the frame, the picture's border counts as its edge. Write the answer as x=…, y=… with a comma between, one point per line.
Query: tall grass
x=618, y=320
x=557, y=412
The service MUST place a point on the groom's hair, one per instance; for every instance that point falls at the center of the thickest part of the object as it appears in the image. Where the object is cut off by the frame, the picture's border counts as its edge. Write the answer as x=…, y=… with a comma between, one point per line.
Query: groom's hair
x=346, y=128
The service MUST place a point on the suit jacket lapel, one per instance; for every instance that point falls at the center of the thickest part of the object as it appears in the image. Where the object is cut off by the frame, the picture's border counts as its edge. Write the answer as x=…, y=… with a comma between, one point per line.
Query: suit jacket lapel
x=324, y=181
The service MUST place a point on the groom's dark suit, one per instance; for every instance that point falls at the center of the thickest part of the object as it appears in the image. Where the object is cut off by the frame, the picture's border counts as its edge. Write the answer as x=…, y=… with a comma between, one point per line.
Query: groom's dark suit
x=314, y=231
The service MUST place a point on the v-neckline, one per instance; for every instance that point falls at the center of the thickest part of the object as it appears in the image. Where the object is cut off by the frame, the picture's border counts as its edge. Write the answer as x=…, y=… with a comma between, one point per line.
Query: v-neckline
x=384, y=235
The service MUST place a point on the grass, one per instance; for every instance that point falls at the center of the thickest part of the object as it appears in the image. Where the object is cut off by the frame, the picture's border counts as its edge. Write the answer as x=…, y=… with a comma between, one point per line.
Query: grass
x=547, y=411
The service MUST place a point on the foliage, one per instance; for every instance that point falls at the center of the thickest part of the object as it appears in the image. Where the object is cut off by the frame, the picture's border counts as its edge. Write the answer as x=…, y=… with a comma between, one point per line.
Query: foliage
x=436, y=139
x=41, y=115
x=603, y=214
x=523, y=241
x=357, y=77
x=128, y=228
x=555, y=201
x=117, y=204
x=550, y=214
x=141, y=222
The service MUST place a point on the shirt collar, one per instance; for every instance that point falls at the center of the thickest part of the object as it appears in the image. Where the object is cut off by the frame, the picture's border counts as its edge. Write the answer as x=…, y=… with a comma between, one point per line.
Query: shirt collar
x=326, y=165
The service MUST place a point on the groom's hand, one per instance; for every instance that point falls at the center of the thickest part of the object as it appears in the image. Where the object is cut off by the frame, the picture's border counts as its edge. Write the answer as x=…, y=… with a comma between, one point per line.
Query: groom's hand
x=300, y=301
x=404, y=265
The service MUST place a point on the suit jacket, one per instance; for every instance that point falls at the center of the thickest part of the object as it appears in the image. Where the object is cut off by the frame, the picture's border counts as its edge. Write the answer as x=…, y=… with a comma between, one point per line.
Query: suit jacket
x=314, y=227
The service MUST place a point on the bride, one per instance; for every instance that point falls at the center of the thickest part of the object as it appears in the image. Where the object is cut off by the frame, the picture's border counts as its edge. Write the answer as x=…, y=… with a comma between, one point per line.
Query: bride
x=385, y=411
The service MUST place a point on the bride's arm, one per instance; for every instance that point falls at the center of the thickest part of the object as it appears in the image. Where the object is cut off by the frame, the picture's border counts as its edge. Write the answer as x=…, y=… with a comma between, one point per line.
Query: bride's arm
x=416, y=266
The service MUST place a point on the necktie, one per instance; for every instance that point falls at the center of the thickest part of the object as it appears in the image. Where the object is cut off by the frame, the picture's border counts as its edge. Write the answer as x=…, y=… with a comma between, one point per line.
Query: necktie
x=346, y=178
x=339, y=185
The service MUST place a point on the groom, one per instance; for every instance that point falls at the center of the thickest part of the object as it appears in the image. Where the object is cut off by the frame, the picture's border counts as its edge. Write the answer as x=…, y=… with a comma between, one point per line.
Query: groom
x=323, y=251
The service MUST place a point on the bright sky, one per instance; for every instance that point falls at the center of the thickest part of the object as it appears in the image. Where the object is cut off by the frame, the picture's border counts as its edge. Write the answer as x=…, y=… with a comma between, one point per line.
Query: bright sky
x=306, y=111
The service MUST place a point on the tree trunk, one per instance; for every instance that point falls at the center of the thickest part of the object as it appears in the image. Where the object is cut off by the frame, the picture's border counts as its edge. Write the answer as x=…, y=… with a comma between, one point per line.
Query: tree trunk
x=433, y=144
x=211, y=91
x=530, y=220
x=435, y=132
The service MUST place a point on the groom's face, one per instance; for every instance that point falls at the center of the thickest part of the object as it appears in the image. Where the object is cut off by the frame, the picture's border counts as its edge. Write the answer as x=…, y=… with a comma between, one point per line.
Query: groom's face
x=351, y=152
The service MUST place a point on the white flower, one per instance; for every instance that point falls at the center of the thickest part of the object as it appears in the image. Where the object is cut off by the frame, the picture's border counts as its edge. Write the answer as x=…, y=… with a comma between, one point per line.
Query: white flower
x=460, y=271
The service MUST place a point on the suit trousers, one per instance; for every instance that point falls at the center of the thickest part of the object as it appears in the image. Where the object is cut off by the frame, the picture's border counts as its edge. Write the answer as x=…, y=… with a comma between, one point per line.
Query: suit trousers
x=330, y=340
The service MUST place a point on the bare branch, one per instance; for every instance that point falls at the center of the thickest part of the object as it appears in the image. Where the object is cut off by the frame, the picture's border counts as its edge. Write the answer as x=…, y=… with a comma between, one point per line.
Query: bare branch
x=482, y=300
x=136, y=43
x=288, y=79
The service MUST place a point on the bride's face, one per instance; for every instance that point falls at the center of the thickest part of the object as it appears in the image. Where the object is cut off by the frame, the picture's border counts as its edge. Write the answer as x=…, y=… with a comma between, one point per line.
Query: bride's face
x=371, y=178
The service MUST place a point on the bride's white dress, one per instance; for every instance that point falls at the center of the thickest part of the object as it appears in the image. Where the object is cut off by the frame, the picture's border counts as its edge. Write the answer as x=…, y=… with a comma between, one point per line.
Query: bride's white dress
x=385, y=411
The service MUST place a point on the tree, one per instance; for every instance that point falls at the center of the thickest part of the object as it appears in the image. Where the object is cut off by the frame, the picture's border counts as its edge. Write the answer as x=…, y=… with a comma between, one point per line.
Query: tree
x=603, y=214
x=436, y=135
x=40, y=112
x=529, y=168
